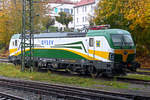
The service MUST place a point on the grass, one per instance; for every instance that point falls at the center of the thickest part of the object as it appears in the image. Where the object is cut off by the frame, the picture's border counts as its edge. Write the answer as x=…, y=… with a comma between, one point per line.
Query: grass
x=9, y=70
x=138, y=76
x=140, y=70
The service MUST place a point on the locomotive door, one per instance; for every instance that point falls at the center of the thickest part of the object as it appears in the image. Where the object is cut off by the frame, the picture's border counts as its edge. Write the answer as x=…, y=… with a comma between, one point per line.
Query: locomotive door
x=91, y=47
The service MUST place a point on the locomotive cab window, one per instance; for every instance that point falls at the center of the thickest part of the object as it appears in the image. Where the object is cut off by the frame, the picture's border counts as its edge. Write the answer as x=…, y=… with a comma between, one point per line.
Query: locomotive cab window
x=122, y=40
x=91, y=42
x=16, y=43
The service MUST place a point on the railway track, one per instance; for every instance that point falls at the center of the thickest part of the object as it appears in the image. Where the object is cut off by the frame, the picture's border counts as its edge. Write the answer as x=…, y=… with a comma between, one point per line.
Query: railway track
x=4, y=60
x=142, y=73
x=122, y=79
x=5, y=96
x=133, y=80
x=68, y=92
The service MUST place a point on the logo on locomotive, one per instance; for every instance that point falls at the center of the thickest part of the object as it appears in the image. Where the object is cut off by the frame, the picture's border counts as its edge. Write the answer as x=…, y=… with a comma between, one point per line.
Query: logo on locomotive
x=47, y=42
x=97, y=43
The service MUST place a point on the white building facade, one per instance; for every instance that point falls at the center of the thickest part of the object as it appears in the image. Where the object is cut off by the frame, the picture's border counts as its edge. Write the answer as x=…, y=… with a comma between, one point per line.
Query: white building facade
x=61, y=6
x=1, y=5
x=83, y=12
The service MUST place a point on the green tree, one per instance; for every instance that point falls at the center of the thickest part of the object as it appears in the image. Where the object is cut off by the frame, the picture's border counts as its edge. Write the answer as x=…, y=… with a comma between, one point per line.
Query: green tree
x=40, y=11
x=47, y=22
x=64, y=18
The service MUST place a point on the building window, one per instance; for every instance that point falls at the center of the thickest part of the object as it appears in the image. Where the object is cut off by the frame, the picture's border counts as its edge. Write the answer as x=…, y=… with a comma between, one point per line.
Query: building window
x=56, y=10
x=66, y=10
x=71, y=11
x=61, y=9
x=82, y=19
x=85, y=8
x=77, y=20
x=91, y=8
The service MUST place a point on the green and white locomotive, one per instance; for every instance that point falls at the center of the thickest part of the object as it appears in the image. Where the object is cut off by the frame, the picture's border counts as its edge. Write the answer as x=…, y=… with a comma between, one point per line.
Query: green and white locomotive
x=105, y=51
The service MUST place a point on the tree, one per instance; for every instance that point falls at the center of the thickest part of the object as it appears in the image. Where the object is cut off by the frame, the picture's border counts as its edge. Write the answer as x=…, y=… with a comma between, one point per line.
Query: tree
x=47, y=22
x=11, y=19
x=138, y=13
x=40, y=11
x=131, y=15
x=110, y=12
x=64, y=18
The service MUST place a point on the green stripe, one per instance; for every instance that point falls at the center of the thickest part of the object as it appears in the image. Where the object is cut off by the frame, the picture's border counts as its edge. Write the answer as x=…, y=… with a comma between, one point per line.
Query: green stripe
x=55, y=53
x=72, y=47
x=79, y=42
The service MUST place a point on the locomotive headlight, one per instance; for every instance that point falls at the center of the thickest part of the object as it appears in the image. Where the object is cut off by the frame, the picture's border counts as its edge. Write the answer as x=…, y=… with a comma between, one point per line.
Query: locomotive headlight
x=111, y=56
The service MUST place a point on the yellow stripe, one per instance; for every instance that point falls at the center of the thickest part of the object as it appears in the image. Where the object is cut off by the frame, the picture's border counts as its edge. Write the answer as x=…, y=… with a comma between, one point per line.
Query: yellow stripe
x=125, y=56
x=81, y=54
x=12, y=50
x=102, y=54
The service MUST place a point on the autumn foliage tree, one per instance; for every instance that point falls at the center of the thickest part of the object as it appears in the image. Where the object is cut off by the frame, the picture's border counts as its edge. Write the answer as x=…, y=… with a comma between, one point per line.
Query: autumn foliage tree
x=11, y=19
x=131, y=15
x=138, y=13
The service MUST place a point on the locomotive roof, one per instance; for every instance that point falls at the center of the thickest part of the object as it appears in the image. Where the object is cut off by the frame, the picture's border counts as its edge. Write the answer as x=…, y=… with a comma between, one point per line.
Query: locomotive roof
x=59, y=34
x=75, y=34
x=15, y=36
x=106, y=31
x=80, y=34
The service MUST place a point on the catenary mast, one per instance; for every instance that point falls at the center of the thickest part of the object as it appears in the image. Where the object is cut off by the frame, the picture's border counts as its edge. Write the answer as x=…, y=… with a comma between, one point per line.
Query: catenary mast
x=27, y=40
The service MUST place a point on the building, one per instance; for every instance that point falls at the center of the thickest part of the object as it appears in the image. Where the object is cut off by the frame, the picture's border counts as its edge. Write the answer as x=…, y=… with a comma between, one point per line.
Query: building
x=1, y=5
x=5, y=3
x=57, y=6
x=83, y=12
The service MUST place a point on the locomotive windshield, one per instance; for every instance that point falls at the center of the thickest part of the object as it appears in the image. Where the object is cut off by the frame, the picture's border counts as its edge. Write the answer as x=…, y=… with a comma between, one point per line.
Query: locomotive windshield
x=122, y=40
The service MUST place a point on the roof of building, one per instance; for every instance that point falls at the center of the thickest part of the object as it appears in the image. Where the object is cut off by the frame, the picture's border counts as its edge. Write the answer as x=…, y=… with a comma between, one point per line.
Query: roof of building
x=84, y=2
x=61, y=1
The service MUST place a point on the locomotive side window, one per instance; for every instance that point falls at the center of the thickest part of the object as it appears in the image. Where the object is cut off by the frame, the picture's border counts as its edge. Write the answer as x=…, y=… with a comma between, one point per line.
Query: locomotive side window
x=15, y=42
x=91, y=42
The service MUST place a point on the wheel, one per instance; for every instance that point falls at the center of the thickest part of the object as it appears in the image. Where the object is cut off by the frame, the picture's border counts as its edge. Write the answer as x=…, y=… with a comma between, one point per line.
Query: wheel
x=93, y=72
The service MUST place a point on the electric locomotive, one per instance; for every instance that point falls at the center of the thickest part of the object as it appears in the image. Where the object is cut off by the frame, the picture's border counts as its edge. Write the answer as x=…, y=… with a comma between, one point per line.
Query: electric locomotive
x=104, y=51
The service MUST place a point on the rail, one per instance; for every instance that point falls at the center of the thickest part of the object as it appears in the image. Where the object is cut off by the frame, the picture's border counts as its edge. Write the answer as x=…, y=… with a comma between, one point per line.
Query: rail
x=68, y=92
x=6, y=96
